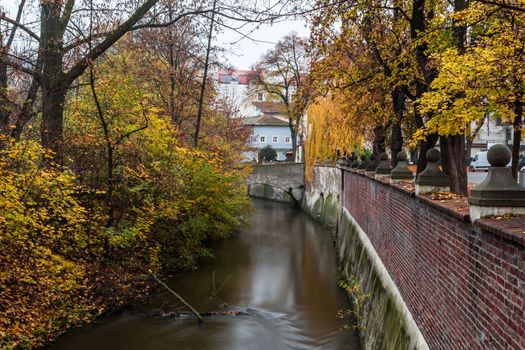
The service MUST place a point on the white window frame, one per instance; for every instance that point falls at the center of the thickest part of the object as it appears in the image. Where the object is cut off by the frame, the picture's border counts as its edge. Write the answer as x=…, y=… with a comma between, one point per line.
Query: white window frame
x=262, y=139
x=275, y=139
x=287, y=139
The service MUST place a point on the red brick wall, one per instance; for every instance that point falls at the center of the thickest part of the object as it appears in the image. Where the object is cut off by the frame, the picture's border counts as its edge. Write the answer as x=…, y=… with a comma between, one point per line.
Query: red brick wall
x=464, y=284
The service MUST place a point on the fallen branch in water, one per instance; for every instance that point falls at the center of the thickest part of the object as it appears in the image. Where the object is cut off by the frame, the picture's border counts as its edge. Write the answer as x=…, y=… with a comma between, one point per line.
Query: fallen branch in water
x=195, y=312
x=215, y=292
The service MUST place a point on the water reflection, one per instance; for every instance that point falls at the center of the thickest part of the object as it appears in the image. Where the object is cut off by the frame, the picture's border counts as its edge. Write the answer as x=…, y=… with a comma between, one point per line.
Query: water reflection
x=281, y=269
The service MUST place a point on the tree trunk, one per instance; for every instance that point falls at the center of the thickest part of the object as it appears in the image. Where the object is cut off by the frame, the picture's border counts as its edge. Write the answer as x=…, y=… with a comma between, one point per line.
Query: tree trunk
x=516, y=142
x=174, y=118
x=171, y=61
x=418, y=26
x=430, y=141
x=424, y=146
x=379, y=143
x=53, y=98
x=397, y=143
x=5, y=110
x=54, y=86
x=293, y=136
x=109, y=148
x=453, y=147
x=204, y=78
x=398, y=100
x=453, y=162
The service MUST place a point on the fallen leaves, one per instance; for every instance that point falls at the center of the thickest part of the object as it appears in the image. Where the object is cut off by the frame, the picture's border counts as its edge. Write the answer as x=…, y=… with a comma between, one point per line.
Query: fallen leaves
x=506, y=216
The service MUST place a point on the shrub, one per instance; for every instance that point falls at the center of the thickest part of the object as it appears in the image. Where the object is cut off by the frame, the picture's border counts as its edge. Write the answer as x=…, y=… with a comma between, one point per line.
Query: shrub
x=267, y=154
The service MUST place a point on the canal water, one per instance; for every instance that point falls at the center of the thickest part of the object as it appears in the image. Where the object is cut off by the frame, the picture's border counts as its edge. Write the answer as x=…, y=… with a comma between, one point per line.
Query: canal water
x=275, y=288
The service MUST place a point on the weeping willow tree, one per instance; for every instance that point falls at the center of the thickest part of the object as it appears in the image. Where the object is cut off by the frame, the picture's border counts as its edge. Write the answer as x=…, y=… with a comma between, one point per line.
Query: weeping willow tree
x=331, y=132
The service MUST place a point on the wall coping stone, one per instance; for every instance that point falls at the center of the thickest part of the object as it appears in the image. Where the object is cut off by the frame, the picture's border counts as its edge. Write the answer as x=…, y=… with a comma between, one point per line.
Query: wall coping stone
x=444, y=208
x=317, y=165
x=491, y=225
x=276, y=164
x=507, y=228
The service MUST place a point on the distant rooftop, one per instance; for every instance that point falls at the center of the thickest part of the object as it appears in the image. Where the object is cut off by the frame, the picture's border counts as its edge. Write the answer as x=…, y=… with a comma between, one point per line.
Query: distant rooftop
x=265, y=120
x=241, y=77
x=270, y=107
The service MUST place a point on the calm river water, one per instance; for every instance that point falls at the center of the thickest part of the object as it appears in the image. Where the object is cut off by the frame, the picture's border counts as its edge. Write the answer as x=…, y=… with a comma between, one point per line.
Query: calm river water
x=280, y=271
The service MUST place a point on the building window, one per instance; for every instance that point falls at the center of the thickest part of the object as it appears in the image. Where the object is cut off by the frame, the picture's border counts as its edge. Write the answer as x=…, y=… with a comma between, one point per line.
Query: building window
x=259, y=96
x=262, y=139
x=275, y=139
x=287, y=139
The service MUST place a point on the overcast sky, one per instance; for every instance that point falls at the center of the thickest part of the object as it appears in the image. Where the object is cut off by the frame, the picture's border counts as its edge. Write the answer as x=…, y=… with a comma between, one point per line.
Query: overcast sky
x=247, y=52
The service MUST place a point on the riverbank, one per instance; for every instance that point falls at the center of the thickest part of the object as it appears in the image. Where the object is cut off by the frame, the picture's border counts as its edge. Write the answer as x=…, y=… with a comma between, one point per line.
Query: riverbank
x=70, y=255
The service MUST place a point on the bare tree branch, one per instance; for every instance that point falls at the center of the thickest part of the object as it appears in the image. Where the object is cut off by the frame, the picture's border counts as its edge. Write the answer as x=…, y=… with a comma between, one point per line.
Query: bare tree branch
x=17, y=24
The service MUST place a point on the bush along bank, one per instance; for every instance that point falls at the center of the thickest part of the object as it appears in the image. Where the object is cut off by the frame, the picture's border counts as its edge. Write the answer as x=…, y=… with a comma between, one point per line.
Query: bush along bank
x=65, y=261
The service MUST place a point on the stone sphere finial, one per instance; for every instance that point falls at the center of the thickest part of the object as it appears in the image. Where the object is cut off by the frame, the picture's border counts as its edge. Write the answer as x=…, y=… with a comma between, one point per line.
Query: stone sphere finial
x=402, y=156
x=499, y=155
x=433, y=155
x=384, y=156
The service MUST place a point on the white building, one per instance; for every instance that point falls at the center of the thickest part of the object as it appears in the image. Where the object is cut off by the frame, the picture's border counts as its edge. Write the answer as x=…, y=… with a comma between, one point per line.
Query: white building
x=492, y=131
x=267, y=119
x=234, y=88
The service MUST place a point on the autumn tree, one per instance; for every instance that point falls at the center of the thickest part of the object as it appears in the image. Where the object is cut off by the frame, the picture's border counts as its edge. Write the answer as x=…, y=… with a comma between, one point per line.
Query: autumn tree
x=69, y=36
x=397, y=40
x=485, y=77
x=282, y=75
x=356, y=48
x=16, y=106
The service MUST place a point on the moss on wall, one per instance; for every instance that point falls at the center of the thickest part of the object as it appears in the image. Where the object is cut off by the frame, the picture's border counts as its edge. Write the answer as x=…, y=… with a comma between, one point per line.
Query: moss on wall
x=323, y=209
x=384, y=320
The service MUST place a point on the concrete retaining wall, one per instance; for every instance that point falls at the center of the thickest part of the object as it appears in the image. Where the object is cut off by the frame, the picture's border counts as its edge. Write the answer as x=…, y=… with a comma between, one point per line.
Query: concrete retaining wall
x=322, y=195
x=382, y=315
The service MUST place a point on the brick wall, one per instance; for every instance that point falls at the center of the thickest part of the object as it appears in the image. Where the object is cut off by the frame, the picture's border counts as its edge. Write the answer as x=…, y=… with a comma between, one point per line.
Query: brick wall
x=464, y=284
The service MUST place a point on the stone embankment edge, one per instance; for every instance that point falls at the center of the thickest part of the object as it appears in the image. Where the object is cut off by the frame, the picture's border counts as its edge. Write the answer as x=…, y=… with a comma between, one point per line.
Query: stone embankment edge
x=417, y=341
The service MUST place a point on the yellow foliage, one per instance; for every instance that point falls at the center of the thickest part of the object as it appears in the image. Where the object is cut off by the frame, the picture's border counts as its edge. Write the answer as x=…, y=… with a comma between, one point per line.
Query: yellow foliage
x=62, y=263
x=485, y=80
x=331, y=132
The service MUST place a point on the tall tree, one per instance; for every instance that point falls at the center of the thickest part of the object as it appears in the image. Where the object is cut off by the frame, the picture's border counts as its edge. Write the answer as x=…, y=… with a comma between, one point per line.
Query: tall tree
x=483, y=78
x=61, y=42
x=282, y=74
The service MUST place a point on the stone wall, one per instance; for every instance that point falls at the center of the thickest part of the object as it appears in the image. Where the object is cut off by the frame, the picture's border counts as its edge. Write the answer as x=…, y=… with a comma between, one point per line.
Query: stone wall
x=463, y=284
x=322, y=196
x=282, y=182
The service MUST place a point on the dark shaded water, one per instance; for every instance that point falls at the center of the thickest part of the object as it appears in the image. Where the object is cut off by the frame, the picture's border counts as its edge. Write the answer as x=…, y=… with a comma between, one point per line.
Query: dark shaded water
x=281, y=270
